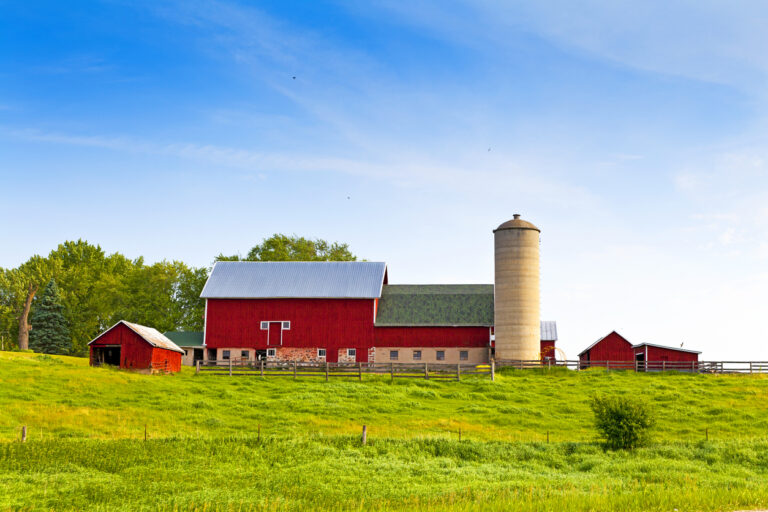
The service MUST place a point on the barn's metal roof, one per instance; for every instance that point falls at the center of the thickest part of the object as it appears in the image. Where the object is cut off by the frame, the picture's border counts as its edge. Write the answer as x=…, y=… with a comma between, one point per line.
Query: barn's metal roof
x=148, y=334
x=295, y=279
x=185, y=338
x=436, y=305
x=665, y=347
x=548, y=330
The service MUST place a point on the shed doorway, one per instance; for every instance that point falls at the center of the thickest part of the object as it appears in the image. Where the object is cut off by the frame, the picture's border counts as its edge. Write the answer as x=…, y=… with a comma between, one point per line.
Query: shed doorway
x=107, y=355
x=640, y=361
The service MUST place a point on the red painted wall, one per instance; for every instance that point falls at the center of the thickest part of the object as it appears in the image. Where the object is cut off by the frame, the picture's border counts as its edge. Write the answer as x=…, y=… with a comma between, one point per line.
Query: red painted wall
x=613, y=347
x=548, y=350
x=667, y=354
x=321, y=323
x=431, y=336
x=135, y=352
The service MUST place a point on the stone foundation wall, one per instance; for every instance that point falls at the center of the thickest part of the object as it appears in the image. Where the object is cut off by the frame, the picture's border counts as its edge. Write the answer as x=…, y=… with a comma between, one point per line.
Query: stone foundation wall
x=302, y=355
x=344, y=358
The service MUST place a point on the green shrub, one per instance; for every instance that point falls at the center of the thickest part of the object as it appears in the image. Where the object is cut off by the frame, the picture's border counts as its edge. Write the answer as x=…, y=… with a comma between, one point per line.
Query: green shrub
x=623, y=422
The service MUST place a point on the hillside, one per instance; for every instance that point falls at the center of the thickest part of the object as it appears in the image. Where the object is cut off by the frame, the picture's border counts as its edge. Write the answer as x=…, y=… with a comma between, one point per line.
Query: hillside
x=86, y=448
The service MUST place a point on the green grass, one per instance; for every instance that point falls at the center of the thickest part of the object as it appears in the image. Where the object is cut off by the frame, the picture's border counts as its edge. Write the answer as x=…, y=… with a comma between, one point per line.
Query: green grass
x=86, y=449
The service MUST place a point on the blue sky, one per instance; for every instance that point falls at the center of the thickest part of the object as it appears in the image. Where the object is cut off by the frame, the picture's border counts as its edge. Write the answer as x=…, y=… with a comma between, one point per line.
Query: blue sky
x=632, y=133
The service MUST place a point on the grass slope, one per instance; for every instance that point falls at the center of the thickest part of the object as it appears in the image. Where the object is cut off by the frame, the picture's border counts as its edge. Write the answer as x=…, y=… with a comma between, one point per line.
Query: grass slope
x=86, y=448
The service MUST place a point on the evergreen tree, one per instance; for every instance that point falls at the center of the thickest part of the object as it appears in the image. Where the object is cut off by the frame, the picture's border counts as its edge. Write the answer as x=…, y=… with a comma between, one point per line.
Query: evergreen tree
x=49, y=333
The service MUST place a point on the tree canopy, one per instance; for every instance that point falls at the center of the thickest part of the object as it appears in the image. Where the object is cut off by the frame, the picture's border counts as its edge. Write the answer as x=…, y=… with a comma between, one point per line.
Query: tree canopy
x=97, y=290
x=281, y=247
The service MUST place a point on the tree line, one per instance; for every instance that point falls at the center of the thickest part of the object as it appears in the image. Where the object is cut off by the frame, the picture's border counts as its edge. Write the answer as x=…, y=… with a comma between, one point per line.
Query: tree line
x=60, y=302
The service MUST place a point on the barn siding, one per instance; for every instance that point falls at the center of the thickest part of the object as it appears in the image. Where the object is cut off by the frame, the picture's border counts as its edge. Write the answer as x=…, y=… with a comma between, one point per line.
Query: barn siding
x=329, y=323
x=668, y=354
x=613, y=347
x=547, y=349
x=431, y=336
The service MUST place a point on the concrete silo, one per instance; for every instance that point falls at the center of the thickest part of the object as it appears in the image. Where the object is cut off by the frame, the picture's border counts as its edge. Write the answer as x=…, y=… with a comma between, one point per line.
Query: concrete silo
x=516, y=292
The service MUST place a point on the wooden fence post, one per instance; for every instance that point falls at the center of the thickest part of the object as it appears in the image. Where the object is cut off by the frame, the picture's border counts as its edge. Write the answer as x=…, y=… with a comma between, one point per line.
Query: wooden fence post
x=458, y=372
x=663, y=366
x=549, y=364
x=750, y=367
x=635, y=365
x=493, y=369
x=426, y=371
x=365, y=435
x=360, y=372
x=24, y=434
x=230, y=366
x=262, y=367
x=294, y=370
x=392, y=371
x=198, y=367
x=607, y=366
x=326, y=371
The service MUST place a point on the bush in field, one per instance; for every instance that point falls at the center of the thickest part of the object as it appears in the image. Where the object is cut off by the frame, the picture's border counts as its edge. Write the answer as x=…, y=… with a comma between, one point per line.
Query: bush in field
x=623, y=422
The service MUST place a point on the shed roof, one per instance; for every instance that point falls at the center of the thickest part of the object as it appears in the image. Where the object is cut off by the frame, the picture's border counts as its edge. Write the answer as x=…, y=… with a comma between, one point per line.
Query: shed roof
x=295, y=279
x=436, y=305
x=678, y=349
x=148, y=334
x=548, y=330
x=185, y=338
x=601, y=339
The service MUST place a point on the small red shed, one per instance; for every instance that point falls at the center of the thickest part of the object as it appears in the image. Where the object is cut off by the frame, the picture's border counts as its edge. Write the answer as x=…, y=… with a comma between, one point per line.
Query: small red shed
x=651, y=352
x=134, y=346
x=615, y=350
x=611, y=347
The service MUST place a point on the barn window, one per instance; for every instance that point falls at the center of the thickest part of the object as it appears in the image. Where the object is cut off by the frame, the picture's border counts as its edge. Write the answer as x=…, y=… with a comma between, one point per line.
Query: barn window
x=463, y=355
x=417, y=355
x=244, y=354
x=441, y=355
x=271, y=352
x=286, y=326
x=225, y=354
x=393, y=355
x=351, y=352
x=321, y=352
x=264, y=326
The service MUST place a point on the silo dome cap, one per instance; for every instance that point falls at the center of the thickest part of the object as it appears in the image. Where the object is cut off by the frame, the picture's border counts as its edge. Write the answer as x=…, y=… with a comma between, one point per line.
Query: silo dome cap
x=517, y=223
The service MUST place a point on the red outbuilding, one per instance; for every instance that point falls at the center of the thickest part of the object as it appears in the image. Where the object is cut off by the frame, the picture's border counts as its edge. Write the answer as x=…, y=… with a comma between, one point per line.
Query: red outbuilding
x=137, y=347
x=615, y=351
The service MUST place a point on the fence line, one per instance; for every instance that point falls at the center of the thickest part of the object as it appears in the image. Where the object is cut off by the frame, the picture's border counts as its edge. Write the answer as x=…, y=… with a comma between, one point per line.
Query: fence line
x=442, y=371
x=642, y=366
x=296, y=369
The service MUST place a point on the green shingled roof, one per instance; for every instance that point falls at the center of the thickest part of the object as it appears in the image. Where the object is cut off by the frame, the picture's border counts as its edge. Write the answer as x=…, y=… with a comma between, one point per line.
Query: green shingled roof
x=185, y=338
x=436, y=304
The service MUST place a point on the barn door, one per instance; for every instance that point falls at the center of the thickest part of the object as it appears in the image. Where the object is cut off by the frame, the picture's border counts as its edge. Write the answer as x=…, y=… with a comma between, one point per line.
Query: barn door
x=275, y=334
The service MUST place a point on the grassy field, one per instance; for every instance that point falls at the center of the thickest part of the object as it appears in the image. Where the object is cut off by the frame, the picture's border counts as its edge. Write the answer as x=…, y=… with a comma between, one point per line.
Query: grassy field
x=86, y=449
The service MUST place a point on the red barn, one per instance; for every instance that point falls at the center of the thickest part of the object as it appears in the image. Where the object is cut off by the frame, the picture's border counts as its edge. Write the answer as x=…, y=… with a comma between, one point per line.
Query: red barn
x=341, y=312
x=135, y=346
x=616, y=350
